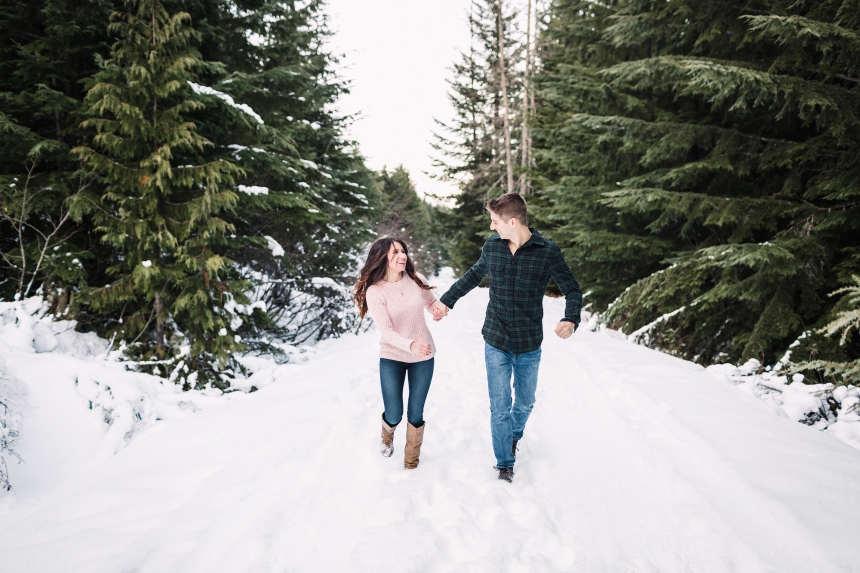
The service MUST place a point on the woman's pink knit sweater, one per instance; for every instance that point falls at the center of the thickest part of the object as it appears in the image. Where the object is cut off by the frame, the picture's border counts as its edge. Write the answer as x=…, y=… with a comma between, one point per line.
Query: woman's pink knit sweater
x=397, y=310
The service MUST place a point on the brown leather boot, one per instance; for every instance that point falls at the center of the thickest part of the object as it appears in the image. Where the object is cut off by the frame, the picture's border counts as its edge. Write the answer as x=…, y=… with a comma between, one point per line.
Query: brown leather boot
x=414, y=439
x=387, y=445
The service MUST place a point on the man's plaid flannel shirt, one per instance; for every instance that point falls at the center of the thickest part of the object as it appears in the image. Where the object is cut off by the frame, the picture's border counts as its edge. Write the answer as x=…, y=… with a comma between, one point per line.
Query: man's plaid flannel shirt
x=517, y=285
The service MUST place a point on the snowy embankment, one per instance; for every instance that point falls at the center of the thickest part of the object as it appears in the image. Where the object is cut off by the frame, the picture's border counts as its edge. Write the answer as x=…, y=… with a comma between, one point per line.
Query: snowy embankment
x=633, y=461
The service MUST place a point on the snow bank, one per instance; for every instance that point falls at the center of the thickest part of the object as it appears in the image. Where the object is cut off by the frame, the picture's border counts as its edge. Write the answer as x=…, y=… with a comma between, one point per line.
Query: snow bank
x=58, y=363
x=833, y=410
x=130, y=402
x=27, y=324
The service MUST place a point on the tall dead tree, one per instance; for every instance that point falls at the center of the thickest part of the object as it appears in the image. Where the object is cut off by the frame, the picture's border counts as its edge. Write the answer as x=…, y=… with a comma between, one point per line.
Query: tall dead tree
x=503, y=71
x=525, y=137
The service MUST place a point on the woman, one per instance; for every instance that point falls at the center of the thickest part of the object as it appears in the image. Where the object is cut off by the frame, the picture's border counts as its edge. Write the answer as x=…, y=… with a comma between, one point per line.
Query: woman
x=395, y=295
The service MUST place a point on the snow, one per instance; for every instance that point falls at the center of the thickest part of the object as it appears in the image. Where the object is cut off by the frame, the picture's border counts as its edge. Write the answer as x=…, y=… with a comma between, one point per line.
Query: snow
x=821, y=406
x=641, y=336
x=12, y=393
x=633, y=461
x=226, y=98
x=275, y=247
x=323, y=281
x=254, y=190
x=79, y=406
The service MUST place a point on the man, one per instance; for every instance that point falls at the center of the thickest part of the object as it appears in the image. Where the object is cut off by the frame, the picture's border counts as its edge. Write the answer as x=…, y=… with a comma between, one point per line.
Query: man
x=520, y=263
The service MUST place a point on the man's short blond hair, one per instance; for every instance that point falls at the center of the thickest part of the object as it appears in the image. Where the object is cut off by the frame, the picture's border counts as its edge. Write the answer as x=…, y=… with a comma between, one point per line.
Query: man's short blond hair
x=510, y=206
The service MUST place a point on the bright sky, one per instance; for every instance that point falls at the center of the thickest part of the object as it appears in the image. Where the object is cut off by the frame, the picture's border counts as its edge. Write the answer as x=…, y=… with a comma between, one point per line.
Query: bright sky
x=397, y=55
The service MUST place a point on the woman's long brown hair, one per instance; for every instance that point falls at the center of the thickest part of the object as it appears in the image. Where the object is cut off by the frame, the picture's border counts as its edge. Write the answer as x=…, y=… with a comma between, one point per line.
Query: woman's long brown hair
x=375, y=268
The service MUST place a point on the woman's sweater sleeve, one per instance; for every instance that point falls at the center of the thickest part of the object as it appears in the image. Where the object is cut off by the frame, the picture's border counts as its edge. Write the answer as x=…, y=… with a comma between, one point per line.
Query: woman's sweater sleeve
x=379, y=314
x=427, y=295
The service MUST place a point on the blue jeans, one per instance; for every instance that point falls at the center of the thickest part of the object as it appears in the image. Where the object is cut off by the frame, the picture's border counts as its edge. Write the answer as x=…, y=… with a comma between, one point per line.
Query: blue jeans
x=392, y=374
x=508, y=417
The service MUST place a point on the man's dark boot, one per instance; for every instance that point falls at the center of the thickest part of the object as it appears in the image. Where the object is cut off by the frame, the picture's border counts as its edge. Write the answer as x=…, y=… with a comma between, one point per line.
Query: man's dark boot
x=506, y=474
x=514, y=448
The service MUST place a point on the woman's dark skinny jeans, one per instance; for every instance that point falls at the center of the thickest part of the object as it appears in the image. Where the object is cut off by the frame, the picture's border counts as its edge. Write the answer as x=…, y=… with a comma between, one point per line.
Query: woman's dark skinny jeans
x=392, y=374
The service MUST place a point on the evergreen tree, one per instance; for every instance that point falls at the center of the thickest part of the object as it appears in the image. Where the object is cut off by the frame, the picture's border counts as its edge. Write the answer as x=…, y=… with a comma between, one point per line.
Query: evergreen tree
x=160, y=206
x=847, y=324
x=472, y=146
x=402, y=213
x=46, y=49
x=303, y=194
x=305, y=186
x=697, y=162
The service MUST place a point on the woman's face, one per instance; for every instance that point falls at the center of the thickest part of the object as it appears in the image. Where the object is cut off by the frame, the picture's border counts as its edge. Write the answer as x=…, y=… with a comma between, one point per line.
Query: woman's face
x=396, y=258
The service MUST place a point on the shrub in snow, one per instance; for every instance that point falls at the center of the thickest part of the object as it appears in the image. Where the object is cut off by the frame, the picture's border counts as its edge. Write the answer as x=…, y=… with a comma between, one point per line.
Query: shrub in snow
x=11, y=403
x=131, y=401
x=127, y=401
x=822, y=406
x=308, y=310
x=847, y=321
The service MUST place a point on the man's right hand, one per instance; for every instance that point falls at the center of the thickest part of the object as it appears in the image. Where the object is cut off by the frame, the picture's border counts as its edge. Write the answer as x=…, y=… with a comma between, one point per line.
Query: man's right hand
x=420, y=348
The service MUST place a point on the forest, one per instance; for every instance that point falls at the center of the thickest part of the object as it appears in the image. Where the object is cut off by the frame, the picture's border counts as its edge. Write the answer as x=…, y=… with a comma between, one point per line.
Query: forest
x=698, y=163
x=175, y=178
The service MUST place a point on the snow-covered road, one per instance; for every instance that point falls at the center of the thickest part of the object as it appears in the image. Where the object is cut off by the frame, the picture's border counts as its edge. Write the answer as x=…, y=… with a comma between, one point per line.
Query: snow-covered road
x=633, y=461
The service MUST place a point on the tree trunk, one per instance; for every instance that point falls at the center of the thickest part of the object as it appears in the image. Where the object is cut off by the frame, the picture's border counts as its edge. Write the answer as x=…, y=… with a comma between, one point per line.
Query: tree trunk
x=525, y=143
x=502, y=69
x=159, y=325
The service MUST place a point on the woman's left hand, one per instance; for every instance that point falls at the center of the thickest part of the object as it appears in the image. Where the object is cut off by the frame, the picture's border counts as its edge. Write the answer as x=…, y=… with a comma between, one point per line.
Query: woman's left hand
x=420, y=348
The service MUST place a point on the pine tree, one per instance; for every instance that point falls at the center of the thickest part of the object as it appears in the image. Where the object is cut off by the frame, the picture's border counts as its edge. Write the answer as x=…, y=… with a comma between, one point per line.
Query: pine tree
x=160, y=206
x=304, y=196
x=847, y=325
x=306, y=189
x=46, y=49
x=402, y=213
x=697, y=159
x=472, y=148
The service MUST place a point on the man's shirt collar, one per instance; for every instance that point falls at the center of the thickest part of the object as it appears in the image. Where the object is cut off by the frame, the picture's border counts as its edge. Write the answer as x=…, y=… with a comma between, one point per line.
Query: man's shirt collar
x=535, y=239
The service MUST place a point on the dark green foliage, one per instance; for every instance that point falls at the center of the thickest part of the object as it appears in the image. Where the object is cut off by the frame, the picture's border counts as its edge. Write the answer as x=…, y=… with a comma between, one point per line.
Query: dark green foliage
x=471, y=147
x=704, y=156
x=270, y=172
x=318, y=192
x=46, y=49
x=846, y=324
x=317, y=203
x=159, y=205
x=402, y=213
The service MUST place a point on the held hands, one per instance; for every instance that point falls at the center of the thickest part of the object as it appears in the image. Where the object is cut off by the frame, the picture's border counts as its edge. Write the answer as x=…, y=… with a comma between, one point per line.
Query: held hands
x=420, y=348
x=564, y=329
x=440, y=311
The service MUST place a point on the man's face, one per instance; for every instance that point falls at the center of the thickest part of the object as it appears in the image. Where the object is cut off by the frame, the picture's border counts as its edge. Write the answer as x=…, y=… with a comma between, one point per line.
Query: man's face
x=504, y=228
